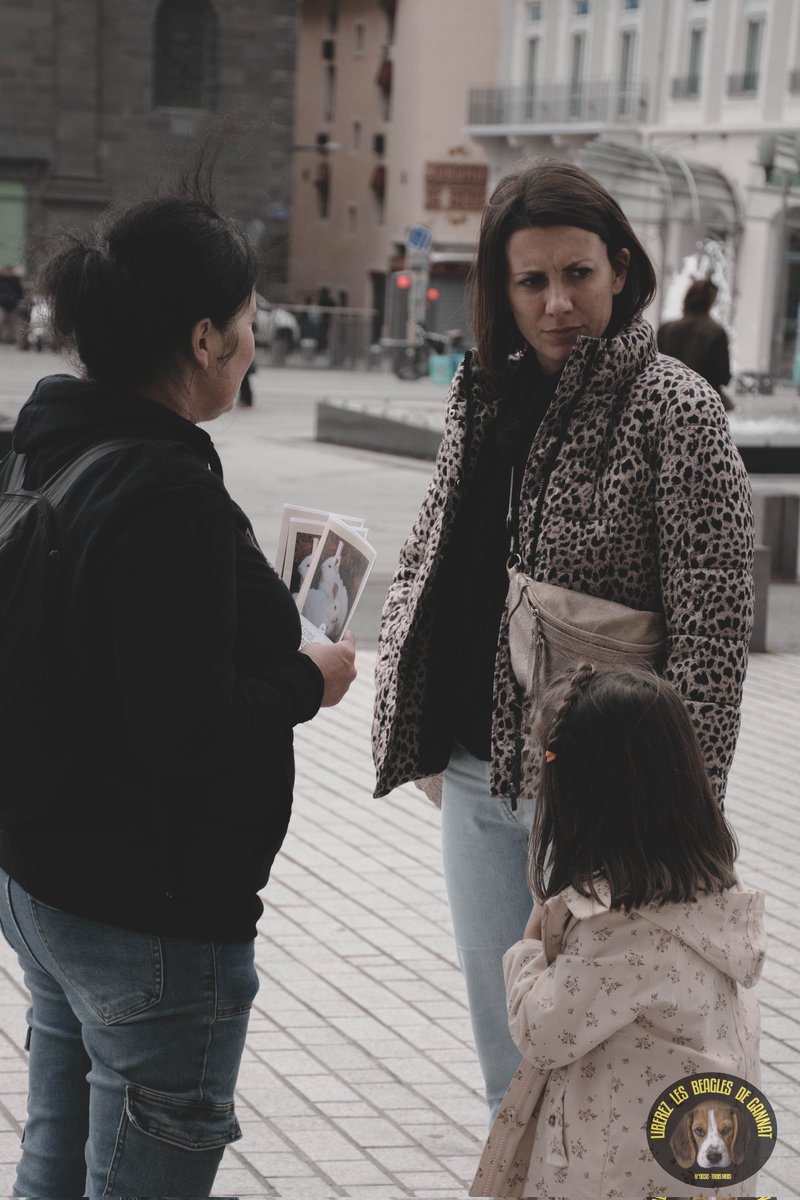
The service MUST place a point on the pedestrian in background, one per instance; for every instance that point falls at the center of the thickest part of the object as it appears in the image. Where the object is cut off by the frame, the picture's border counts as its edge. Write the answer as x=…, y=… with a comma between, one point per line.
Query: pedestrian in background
x=11, y=298
x=698, y=340
x=609, y=466
x=160, y=786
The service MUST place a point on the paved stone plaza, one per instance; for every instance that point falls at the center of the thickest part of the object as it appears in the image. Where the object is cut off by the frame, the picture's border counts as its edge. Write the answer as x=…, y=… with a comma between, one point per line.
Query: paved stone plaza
x=359, y=1078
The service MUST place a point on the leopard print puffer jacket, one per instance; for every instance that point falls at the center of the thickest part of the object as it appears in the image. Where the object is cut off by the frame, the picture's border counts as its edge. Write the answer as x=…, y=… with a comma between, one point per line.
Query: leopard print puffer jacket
x=648, y=504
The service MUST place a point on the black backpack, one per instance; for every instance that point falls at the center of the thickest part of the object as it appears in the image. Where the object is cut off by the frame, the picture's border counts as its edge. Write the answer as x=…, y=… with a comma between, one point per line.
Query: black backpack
x=30, y=623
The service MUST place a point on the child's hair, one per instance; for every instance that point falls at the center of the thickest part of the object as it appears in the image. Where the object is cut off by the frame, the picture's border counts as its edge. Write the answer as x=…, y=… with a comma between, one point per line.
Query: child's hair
x=624, y=794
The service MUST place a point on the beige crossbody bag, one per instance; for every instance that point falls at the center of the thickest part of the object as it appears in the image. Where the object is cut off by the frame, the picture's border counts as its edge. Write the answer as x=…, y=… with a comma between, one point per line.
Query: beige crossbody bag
x=552, y=628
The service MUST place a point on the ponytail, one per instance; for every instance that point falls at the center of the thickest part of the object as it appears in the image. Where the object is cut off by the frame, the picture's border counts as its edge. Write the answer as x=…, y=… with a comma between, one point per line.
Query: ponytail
x=128, y=294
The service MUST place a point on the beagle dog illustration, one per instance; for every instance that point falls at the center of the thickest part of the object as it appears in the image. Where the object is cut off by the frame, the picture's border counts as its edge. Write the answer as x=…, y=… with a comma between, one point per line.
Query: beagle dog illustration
x=711, y=1136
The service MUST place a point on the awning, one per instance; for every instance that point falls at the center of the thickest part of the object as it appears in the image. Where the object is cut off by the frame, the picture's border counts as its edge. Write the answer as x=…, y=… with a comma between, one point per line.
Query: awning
x=656, y=185
x=378, y=181
x=384, y=76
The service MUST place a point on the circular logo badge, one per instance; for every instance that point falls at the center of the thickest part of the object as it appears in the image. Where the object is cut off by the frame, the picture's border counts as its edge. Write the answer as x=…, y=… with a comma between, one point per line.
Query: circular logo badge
x=711, y=1130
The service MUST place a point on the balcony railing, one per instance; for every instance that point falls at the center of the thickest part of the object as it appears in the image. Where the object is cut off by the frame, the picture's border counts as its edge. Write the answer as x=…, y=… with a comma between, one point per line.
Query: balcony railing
x=745, y=84
x=601, y=102
x=686, y=87
x=794, y=81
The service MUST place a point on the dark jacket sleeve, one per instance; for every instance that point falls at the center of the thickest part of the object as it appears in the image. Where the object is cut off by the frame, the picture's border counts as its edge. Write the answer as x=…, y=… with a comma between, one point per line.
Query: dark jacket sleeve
x=170, y=587
x=705, y=531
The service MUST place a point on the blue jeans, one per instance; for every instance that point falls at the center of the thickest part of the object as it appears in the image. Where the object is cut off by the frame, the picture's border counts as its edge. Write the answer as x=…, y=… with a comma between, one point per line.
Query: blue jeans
x=135, y=1043
x=484, y=849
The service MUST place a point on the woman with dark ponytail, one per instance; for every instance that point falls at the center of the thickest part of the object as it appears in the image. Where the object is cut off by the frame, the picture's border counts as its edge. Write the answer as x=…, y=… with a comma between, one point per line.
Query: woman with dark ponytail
x=160, y=788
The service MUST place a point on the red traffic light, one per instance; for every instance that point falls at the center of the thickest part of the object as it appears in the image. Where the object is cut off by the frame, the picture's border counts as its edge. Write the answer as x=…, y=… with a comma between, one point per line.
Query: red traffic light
x=432, y=294
x=403, y=282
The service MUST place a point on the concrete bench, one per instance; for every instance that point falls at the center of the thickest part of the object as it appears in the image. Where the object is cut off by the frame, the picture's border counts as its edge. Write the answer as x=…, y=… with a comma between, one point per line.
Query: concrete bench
x=777, y=517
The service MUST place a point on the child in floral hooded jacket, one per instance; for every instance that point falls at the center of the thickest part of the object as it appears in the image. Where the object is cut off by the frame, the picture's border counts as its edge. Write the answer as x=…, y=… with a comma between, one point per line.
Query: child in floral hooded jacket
x=636, y=965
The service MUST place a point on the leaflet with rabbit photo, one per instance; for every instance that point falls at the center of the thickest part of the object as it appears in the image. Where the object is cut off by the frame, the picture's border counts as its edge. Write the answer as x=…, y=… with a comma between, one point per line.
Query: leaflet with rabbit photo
x=326, y=565
x=309, y=519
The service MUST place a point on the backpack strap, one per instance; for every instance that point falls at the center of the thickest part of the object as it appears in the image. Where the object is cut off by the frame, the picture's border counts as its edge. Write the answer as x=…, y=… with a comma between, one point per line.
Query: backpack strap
x=17, y=473
x=56, y=488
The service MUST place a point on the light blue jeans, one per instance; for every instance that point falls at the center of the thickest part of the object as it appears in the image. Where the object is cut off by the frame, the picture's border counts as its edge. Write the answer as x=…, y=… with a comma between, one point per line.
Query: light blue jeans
x=484, y=849
x=135, y=1043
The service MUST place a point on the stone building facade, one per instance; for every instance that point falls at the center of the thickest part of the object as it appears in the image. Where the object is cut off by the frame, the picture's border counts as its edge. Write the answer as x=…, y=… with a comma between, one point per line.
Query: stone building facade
x=102, y=101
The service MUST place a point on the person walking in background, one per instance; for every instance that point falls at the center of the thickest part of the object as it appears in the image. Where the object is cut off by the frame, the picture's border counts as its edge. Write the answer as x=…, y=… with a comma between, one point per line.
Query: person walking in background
x=606, y=462
x=698, y=340
x=11, y=298
x=246, y=390
x=154, y=786
x=325, y=301
x=637, y=899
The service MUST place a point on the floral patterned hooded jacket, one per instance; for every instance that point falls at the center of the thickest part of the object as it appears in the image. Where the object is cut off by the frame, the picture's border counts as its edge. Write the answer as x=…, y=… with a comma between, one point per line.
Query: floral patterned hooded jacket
x=609, y=1010
x=648, y=504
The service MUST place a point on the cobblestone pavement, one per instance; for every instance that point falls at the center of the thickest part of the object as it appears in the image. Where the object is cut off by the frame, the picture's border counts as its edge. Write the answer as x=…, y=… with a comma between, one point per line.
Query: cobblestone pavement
x=359, y=1077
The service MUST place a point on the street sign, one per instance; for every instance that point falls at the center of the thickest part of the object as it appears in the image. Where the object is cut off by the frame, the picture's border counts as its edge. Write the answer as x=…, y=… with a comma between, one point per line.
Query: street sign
x=419, y=239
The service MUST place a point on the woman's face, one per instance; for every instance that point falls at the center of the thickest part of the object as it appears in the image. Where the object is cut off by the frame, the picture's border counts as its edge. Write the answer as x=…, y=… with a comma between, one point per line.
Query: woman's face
x=233, y=370
x=560, y=286
x=214, y=388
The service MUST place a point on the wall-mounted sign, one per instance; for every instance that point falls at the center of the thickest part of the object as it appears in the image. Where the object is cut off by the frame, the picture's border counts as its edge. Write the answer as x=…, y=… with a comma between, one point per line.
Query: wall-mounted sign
x=451, y=186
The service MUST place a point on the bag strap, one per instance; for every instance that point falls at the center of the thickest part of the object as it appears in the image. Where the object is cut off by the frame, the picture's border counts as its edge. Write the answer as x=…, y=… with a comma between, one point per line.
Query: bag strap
x=56, y=488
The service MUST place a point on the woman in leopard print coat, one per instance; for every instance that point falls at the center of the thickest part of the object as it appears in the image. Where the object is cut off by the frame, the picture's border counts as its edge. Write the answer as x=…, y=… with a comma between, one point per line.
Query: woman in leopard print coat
x=645, y=502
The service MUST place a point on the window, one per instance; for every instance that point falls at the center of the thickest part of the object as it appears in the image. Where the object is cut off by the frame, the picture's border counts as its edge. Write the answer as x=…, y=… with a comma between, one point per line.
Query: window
x=389, y=7
x=352, y=219
x=333, y=15
x=359, y=34
x=384, y=82
x=355, y=138
x=696, y=40
x=631, y=4
x=534, y=12
x=186, y=62
x=322, y=183
x=378, y=185
x=581, y=8
x=531, y=73
x=576, y=74
x=329, y=93
x=627, y=47
x=532, y=64
x=752, y=53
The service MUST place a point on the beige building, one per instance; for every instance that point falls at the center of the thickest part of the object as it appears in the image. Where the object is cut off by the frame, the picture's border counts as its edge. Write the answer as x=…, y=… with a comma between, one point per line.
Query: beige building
x=689, y=111
x=380, y=110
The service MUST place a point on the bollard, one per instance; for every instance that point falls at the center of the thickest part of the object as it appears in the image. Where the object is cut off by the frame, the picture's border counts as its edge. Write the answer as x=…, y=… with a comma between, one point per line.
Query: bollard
x=761, y=576
x=777, y=517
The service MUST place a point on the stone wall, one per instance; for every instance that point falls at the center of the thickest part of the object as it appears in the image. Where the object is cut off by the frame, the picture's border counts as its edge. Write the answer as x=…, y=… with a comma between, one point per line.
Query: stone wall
x=78, y=124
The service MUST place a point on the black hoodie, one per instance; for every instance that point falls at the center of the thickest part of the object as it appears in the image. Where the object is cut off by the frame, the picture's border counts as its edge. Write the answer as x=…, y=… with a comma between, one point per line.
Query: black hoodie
x=166, y=756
